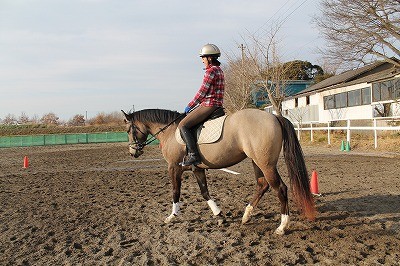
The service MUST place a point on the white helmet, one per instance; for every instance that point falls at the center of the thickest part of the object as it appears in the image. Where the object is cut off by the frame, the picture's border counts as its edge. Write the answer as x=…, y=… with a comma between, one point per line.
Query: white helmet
x=210, y=50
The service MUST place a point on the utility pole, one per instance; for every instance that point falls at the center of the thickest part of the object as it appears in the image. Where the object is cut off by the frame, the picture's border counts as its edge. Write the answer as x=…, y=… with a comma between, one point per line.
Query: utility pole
x=242, y=47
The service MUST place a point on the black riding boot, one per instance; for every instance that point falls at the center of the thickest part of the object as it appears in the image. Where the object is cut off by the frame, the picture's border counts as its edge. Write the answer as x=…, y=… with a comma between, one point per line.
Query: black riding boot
x=193, y=156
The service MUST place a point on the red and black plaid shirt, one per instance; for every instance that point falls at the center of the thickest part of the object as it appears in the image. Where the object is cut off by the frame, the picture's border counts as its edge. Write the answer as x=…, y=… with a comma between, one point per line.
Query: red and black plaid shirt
x=211, y=92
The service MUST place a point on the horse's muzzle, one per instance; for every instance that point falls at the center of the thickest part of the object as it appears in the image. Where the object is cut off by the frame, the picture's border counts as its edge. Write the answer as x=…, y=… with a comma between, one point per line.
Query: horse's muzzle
x=134, y=151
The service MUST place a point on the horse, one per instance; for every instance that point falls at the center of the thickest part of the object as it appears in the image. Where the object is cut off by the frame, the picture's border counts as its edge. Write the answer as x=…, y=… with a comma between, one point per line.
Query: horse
x=251, y=133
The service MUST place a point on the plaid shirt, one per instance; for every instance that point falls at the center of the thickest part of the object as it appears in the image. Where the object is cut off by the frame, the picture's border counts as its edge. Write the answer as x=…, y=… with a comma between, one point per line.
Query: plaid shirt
x=211, y=92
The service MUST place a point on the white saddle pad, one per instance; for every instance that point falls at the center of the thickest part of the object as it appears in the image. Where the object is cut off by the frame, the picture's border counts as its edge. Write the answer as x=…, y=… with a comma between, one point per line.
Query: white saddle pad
x=210, y=131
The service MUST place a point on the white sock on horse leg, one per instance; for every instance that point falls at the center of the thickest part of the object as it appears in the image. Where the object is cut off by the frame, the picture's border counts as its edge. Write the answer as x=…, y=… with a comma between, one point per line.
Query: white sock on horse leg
x=247, y=214
x=175, y=212
x=284, y=224
x=213, y=207
x=176, y=208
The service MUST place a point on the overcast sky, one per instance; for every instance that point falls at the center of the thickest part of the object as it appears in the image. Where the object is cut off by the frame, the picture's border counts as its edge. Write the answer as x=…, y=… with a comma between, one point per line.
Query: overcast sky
x=76, y=56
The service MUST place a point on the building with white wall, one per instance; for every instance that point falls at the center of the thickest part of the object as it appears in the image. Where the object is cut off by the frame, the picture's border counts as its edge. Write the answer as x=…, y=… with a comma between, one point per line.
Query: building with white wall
x=365, y=93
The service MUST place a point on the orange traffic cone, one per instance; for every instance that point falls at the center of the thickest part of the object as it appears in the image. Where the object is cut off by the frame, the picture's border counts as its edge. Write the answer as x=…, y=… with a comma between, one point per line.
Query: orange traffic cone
x=26, y=162
x=314, y=183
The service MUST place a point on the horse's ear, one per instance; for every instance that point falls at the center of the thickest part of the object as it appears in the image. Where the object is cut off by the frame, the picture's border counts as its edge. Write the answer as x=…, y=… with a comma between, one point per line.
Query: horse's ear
x=126, y=116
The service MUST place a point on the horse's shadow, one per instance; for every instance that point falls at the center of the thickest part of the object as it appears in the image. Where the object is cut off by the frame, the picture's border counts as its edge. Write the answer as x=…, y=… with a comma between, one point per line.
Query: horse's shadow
x=369, y=209
x=364, y=206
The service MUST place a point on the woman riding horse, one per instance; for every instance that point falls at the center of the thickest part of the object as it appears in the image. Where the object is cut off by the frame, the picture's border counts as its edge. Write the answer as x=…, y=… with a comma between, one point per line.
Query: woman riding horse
x=208, y=98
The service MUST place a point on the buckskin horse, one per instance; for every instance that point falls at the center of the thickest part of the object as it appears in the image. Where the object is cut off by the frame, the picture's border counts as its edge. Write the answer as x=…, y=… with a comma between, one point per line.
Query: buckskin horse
x=247, y=133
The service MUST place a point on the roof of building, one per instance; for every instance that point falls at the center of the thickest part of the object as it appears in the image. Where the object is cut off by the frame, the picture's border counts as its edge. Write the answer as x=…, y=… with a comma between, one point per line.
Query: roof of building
x=379, y=70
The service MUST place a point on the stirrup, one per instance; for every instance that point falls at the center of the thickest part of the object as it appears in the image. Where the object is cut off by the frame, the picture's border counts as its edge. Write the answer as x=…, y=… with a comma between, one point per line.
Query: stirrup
x=191, y=159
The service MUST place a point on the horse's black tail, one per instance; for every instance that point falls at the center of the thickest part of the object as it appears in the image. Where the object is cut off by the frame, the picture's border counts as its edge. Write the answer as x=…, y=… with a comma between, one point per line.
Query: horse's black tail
x=297, y=170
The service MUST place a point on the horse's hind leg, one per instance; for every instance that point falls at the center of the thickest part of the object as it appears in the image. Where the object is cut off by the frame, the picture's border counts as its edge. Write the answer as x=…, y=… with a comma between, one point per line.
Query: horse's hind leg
x=202, y=182
x=262, y=187
x=275, y=180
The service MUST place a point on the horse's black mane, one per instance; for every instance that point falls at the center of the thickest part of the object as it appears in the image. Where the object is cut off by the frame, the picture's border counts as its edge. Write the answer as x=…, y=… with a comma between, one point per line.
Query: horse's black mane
x=156, y=116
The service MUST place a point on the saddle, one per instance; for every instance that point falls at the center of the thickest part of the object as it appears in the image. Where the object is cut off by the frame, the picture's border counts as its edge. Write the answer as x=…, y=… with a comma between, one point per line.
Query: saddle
x=208, y=132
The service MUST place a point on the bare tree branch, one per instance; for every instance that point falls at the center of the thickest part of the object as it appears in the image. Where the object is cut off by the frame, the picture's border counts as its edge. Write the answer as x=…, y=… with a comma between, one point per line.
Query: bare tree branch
x=359, y=31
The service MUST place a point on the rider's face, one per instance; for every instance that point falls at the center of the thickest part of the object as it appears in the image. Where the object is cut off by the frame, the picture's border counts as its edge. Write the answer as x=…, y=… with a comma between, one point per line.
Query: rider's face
x=205, y=61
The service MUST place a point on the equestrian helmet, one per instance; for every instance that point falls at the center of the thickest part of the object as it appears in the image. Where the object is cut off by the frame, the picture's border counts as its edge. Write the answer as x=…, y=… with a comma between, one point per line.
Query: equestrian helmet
x=210, y=50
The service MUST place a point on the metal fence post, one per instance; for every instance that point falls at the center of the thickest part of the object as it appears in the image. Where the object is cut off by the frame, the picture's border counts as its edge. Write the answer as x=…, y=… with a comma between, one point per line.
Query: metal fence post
x=348, y=130
x=329, y=134
x=298, y=131
x=375, y=135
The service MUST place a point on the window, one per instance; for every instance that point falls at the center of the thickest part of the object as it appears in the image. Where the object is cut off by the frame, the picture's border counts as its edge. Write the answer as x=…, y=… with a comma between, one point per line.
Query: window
x=354, y=98
x=396, y=88
x=296, y=102
x=386, y=90
x=366, y=96
x=380, y=91
x=376, y=92
x=348, y=99
x=341, y=100
x=329, y=102
x=308, y=100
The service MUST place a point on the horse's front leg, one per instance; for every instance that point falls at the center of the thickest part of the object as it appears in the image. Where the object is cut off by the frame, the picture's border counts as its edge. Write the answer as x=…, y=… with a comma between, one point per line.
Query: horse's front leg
x=175, y=172
x=202, y=182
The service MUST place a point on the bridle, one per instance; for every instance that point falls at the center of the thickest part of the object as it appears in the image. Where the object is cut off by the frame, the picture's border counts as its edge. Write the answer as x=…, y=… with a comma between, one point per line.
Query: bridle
x=139, y=146
x=136, y=144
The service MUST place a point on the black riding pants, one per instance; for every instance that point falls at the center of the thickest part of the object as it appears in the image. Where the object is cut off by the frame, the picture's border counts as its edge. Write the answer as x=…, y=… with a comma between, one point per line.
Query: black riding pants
x=197, y=116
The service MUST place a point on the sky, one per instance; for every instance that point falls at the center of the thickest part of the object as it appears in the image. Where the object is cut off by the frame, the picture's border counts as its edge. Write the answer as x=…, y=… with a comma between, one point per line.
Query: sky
x=85, y=57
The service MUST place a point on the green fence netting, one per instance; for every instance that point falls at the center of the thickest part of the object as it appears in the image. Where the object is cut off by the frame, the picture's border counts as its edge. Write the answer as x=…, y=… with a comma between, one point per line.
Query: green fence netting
x=58, y=139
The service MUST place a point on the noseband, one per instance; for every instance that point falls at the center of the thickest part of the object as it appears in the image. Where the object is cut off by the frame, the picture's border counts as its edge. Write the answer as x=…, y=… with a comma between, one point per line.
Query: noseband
x=136, y=144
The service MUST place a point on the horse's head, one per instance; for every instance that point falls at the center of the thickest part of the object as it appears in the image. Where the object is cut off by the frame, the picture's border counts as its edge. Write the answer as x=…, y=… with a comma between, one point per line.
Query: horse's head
x=137, y=134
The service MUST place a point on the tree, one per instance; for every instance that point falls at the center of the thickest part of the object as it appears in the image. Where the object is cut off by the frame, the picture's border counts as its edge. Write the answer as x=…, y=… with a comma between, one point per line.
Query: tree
x=262, y=66
x=271, y=71
x=302, y=70
x=102, y=118
x=23, y=118
x=10, y=120
x=238, y=82
x=383, y=109
x=50, y=119
x=35, y=119
x=77, y=120
x=359, y=31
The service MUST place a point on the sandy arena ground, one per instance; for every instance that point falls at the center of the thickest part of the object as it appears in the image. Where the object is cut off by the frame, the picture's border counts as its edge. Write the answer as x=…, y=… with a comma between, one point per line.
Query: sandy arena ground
x=95, y=205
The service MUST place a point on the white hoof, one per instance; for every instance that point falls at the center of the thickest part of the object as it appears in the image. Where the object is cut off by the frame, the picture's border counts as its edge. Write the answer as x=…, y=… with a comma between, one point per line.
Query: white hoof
x=283, y=226
x=214, y=207
x=280, y=231
x=169, y=218
x=175, y=211
x=247, y=214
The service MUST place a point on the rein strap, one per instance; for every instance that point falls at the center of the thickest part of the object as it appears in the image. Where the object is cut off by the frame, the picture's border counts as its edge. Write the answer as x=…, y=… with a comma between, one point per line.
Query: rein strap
x=154, y=137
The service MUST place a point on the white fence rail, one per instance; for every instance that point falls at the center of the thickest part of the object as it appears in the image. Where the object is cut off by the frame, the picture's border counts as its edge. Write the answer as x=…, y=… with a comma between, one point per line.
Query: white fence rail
x=299, y=127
